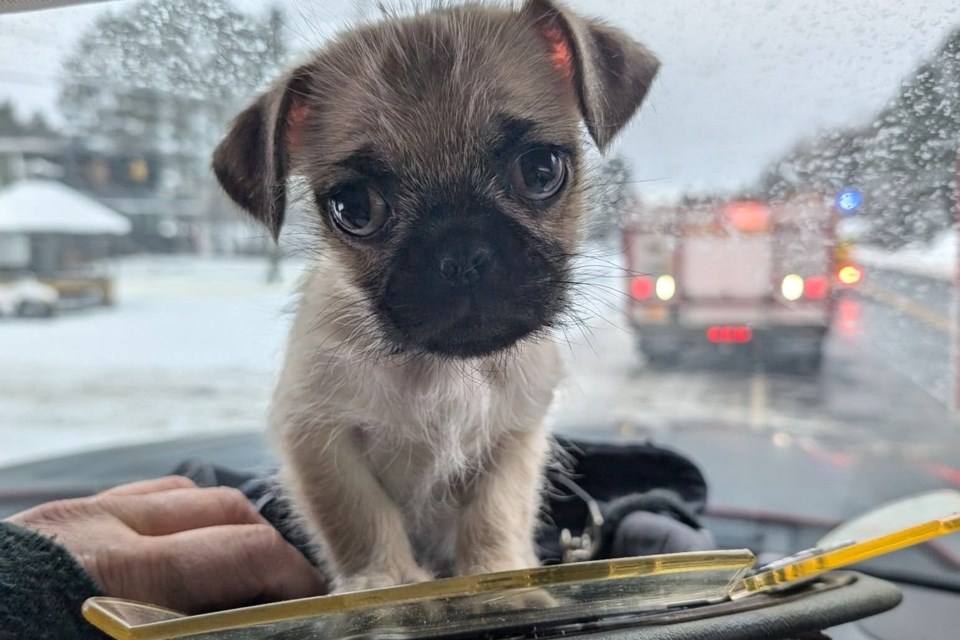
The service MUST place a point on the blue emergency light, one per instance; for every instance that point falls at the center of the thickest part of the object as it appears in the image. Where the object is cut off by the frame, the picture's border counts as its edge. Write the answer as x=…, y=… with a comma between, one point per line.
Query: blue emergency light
x=849, y=200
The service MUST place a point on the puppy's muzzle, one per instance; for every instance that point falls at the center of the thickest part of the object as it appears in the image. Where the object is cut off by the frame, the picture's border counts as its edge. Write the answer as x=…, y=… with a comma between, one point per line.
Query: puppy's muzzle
x=465, y=263
x=467, y=287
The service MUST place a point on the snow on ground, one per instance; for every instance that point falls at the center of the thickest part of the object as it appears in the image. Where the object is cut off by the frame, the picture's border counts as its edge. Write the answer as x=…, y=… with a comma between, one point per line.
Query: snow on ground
x=937, y=259
x=191, y=347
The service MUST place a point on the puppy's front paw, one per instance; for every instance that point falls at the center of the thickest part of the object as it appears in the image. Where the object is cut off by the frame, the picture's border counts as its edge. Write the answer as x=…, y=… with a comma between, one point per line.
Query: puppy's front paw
x=380, y=579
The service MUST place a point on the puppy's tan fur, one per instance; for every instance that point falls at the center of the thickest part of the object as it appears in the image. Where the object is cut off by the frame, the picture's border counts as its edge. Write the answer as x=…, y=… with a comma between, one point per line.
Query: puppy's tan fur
x=408, y=464
x=403, y=464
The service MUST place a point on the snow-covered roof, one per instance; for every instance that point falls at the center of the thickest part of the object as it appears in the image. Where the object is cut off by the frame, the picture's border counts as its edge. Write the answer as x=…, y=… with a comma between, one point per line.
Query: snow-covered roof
x=45, y=206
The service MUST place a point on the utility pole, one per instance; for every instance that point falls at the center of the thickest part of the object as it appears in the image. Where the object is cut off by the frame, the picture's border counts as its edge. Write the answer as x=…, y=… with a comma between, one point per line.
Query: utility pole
x=278, y=50
x=955, y=303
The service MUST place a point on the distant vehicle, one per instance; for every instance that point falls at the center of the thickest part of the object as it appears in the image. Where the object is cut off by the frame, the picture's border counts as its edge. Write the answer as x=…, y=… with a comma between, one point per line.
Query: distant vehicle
x=27, y=297
x=736, y=274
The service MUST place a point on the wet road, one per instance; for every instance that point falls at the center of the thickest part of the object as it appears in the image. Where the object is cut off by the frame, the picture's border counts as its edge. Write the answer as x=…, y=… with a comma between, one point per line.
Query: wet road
x=907, y=322
x=872, y=425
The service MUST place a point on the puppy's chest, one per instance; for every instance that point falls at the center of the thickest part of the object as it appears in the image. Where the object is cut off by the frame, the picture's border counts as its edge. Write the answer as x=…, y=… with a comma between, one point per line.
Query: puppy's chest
x=424, y=449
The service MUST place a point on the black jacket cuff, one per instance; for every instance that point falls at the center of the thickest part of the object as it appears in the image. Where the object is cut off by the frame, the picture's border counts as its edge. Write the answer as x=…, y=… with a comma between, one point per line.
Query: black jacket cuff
x=42, y=589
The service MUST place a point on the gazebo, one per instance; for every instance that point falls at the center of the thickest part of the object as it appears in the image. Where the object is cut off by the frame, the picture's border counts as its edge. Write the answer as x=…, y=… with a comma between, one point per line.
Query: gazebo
x=58, y=235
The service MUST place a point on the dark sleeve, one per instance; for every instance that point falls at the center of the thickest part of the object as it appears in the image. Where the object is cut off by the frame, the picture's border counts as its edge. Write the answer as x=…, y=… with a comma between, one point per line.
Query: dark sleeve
x=42, y=589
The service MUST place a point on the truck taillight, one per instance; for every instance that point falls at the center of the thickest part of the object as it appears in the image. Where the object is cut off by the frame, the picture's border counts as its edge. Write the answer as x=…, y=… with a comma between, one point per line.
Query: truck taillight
x=849, y=274
x=666, y=288
x=791, y=287
x=726, y=335
x=794, y=286
x=645, y=287
x=816, y=287
x=641, y=287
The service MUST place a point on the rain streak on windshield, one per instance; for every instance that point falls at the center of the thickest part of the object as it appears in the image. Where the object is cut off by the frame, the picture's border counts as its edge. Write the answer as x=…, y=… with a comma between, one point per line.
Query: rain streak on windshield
x=767, y=282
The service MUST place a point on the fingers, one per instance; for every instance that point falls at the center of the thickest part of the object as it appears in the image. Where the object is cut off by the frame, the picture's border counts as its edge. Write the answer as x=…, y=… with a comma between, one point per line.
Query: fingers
x=176, y=510
x=202, y=549
x=151, y=486
x=231, y=565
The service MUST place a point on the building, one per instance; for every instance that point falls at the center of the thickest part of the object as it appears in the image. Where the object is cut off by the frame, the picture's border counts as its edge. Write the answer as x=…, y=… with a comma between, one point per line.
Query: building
x=166, y=215
x=59, y=235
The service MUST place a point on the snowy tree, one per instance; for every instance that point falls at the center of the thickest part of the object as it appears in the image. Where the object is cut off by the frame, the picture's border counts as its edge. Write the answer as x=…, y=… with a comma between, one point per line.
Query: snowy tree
x=614, y=184
x=825, y=163
x=11, y=125
x=903, y=161
x=912, y=163
x=166, y=76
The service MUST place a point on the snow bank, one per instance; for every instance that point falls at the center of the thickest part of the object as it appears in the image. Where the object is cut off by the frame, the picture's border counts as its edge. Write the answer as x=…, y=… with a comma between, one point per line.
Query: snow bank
x=935, y=260
x=192, y=348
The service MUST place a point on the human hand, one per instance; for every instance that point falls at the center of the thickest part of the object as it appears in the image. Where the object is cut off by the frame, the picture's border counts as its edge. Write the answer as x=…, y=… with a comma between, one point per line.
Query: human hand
x=170, y=543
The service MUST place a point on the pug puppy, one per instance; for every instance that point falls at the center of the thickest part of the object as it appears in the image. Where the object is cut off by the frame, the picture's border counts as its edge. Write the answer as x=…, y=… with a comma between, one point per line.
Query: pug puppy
x=444, y=159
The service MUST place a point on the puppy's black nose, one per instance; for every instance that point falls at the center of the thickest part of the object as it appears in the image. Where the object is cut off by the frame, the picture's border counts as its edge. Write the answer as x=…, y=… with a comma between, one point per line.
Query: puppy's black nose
x=464, y=263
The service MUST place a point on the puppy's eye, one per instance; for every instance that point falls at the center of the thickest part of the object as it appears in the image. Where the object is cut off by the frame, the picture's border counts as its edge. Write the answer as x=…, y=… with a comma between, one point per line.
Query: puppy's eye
x=538, y=174
x=357, y=209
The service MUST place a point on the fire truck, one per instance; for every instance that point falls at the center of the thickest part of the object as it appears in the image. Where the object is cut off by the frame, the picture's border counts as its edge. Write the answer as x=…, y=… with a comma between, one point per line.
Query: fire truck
x=733, y=275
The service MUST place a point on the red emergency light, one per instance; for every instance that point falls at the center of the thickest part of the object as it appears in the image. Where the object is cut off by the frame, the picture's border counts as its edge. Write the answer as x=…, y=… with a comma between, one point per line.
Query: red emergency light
x=719, y=334
x=642, y=287
x=816, y=287
x=748, y=217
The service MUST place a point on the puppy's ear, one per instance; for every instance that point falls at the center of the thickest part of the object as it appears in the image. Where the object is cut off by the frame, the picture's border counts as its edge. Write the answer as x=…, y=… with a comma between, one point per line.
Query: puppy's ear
x=252, y=161
x=610, y=72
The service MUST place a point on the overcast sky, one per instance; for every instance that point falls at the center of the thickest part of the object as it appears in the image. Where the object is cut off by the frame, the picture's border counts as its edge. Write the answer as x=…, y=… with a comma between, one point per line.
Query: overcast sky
x=741, y=80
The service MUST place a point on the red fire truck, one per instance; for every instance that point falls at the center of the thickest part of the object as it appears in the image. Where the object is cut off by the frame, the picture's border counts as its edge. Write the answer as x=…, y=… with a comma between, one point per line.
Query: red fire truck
x=735, y=274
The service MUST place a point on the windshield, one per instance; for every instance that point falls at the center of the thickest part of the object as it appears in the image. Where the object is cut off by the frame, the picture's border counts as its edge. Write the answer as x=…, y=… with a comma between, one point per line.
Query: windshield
x=767, y=280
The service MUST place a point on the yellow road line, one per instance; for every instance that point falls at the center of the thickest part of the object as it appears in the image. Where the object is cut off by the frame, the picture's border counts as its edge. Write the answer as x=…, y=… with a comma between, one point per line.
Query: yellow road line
x=758, y=400
x=909, y=307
